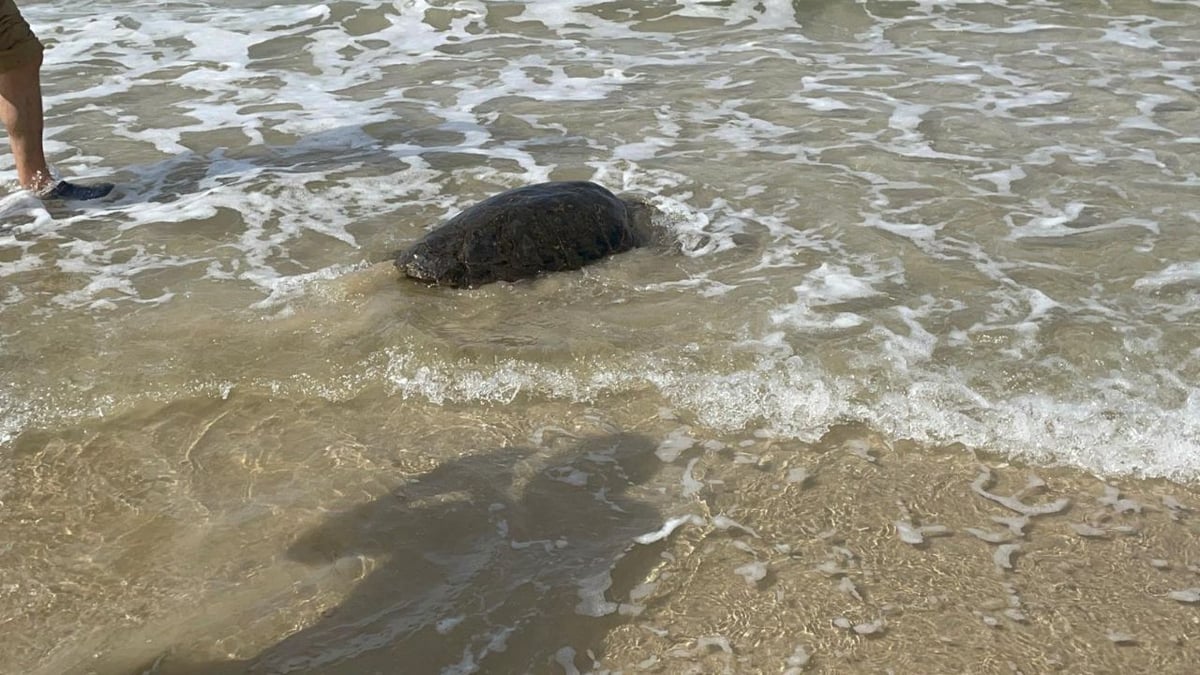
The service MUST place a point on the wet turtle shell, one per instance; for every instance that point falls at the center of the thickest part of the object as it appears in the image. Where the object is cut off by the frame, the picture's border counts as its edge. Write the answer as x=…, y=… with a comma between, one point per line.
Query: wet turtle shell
x=526, y=231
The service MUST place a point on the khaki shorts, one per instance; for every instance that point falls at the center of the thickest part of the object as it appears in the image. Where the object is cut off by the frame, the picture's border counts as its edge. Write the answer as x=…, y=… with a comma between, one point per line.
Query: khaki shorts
x=18, y=44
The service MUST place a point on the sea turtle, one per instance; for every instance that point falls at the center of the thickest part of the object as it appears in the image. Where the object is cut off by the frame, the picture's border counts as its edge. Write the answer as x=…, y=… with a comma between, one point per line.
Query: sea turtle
x=525, y=231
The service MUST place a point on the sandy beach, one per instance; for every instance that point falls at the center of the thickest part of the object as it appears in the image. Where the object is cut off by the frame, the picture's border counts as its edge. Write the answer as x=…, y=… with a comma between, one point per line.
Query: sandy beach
x=905, y=380
x=866, y=557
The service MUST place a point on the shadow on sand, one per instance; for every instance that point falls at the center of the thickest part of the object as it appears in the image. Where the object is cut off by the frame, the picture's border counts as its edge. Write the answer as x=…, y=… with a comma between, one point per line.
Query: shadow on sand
x=498, y=562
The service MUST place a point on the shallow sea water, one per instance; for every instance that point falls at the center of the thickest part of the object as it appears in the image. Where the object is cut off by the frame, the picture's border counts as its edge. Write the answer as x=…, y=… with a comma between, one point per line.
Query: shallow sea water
x=916, y=387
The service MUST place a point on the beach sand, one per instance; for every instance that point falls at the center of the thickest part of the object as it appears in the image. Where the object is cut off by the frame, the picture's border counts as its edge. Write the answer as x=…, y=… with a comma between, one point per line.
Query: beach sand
x=646, y=547
x=857, y=555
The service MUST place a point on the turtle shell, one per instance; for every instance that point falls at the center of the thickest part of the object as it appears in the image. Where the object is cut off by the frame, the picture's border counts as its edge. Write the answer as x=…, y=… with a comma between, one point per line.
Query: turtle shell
x=521, y=233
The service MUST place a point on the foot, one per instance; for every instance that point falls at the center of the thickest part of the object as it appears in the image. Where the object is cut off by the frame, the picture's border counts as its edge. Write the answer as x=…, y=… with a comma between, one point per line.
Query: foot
x=64, y=190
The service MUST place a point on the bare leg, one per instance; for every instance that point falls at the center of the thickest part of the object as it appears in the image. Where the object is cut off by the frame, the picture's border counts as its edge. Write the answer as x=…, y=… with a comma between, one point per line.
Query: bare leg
x=21, y=112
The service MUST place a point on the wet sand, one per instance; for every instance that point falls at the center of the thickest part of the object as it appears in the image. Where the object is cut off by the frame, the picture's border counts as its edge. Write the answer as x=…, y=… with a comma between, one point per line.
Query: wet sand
x=855, y=556
x=660, y=551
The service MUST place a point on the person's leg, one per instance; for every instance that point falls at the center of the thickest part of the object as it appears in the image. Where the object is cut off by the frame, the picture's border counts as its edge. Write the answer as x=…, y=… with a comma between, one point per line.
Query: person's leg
x=21, y=112
x=21, y=109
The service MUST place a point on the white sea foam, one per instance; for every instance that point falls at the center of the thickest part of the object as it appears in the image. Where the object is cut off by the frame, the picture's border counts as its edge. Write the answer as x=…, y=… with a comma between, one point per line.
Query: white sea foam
x=667, y=529
x=793, y=397
x=898, y=197
x=828, y=285
x=1174, y=274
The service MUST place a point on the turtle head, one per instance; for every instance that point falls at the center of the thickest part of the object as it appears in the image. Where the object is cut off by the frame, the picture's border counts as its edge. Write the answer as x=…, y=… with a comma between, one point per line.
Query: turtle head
x=641, y=214
x=421, y=263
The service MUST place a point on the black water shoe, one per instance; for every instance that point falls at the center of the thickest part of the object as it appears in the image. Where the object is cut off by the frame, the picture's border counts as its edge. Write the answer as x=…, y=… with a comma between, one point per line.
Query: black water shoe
x=64, y=190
